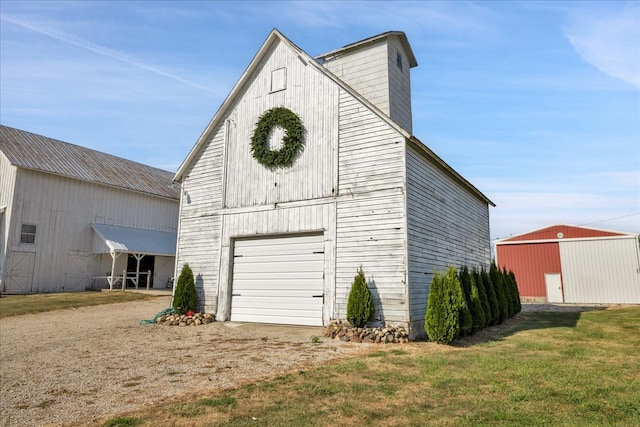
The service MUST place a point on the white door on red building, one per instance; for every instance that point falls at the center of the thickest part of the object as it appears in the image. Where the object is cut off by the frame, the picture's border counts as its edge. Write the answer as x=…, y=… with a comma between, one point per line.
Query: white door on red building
x=553, y=282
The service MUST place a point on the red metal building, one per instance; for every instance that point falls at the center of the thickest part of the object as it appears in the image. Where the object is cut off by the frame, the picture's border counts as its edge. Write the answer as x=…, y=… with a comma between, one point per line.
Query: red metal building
x=565, y=263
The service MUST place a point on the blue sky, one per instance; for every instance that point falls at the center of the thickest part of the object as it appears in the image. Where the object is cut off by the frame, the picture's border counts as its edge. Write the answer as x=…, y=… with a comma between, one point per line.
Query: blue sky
x=536, y=103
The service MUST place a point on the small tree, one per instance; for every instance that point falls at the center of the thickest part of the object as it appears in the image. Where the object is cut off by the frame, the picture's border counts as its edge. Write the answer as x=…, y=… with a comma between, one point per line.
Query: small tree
x=466, y=317
x=509, y=292
x=360, y=307
x=499, y=289
x=185, y=297
x=484, y=299
x=491, y=297
x=516, y=291
x=473, y=299
x=445, y=308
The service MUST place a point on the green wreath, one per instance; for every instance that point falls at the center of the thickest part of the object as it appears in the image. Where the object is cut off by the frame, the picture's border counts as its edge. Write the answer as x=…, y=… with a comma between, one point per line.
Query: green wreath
x=291, y=142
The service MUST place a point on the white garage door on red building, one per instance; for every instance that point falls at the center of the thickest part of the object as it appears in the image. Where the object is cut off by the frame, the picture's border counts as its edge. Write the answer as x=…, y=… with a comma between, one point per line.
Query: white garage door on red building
x=278, y=280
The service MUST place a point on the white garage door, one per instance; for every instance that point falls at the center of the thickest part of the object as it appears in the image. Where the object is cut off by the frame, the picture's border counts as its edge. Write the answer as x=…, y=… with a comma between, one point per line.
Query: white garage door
x=601, y=271
x=278, y=280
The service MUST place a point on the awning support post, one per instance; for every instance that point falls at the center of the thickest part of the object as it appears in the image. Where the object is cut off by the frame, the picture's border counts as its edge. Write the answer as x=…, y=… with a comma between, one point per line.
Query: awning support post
x=138, y=257
x=114, y=256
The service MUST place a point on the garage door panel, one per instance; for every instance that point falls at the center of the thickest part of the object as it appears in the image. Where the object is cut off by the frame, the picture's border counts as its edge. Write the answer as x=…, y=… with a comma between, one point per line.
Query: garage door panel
x=265, y=318
x=267, y=278
x=294, y=263
x=266, y=267
x=283, y=315
x=289, y=303
x=273, y=242
x=309, y=261
x=278, y=285
x=277, y=249
x=275, y=279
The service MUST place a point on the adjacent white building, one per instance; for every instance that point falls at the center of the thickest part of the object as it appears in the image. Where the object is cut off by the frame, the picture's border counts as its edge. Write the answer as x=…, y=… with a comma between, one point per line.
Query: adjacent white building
x=73, y=218
x=282, y=245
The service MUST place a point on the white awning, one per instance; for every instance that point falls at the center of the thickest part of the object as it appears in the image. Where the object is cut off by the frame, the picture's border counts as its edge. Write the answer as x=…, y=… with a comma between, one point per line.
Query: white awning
x=134, y=240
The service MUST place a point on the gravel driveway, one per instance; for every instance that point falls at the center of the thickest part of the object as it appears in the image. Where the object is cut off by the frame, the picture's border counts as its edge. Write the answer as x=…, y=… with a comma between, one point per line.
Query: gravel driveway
x=77, y=365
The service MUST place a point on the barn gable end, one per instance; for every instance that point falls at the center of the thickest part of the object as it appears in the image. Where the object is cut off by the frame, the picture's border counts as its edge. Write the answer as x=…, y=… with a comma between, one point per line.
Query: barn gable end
x=560, y=231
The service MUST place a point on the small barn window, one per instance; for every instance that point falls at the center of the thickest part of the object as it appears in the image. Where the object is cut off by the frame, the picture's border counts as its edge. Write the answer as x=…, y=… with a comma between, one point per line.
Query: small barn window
x=28, y=233
x=278, y=79
x=399, y=60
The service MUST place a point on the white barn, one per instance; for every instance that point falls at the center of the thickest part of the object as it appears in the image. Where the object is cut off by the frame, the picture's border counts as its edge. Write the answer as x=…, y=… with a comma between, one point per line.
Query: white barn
x=73, y=218
x=283, y=244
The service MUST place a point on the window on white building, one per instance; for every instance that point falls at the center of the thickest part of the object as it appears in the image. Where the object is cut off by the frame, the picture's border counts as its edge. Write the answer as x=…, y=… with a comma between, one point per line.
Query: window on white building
x=28, y=233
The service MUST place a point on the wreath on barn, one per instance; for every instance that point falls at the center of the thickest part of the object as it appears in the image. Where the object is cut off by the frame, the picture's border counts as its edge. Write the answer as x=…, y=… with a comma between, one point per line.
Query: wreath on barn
x=291, y=141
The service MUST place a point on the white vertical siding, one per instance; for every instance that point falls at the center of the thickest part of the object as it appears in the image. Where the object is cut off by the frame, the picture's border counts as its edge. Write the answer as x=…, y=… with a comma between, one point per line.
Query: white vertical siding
x=370, y=213
x=446, y=225
x=7, y=184
x=63, y=209
x=312, y=96
x=399, y=86
x=366, y=71
x=601, y=271
x=200, y=223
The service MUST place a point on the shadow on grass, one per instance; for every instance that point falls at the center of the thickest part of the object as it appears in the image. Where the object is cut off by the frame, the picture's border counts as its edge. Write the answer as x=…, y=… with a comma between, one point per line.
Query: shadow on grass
x=543, y=317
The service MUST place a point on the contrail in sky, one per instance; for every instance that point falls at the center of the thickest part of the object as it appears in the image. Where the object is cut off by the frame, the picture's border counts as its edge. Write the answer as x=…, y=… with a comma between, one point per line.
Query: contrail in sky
x=72, y=39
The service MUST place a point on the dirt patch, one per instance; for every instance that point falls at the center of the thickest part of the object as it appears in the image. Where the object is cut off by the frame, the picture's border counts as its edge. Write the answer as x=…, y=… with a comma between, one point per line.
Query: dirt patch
x=79, y=365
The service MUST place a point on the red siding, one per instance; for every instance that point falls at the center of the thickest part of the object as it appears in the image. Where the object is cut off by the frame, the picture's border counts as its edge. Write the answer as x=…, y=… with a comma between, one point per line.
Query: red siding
x=551, y=233
x=529, y=262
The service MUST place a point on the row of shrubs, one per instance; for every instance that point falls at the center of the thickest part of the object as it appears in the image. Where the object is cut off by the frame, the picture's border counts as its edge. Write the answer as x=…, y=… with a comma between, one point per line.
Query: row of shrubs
x=460, y=302
x=463, y=302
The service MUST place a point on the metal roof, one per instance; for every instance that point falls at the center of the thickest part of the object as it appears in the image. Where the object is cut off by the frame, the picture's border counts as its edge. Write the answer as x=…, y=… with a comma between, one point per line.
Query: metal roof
x=30, y=151
x=137, y=240
x=559, y=232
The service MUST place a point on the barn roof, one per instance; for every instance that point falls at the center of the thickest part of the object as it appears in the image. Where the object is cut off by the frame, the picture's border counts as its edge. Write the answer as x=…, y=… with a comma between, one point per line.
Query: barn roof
x=558, y=232
x=35, y=152
x=274, y=37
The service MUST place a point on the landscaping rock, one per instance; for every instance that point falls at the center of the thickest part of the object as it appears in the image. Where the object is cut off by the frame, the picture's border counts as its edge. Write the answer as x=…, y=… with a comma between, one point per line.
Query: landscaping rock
x=343, y=331
x=195, y=319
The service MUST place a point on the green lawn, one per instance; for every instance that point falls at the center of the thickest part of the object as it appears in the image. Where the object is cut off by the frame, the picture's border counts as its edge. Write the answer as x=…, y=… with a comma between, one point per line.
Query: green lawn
x=564, y=369
x=11, y=305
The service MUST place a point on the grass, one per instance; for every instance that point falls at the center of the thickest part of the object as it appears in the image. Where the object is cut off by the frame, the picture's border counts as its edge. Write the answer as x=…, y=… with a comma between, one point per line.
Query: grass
x=12, y=305
x=569, y=369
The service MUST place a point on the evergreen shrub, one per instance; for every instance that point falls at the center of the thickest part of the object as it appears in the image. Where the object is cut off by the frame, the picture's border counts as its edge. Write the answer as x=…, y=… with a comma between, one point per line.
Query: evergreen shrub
x=360, y=307
x=445, y=308
x=185, y=298
x=466, y=317
x=473, y=299
x=499, y=289
x=484, y=300
x=491, y=297
x=508, y=288
x=514, y=285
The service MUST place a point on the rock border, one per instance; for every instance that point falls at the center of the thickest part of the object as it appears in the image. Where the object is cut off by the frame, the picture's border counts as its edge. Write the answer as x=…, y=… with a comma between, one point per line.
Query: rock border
x=343, y=331
x=194, y=319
